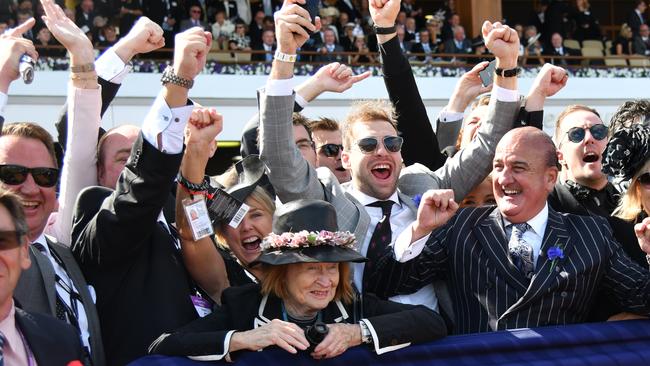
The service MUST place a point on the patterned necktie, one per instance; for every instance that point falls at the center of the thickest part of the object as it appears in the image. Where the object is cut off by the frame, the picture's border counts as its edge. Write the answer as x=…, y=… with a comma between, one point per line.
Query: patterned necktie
x=2, y=344
x=60, y=307
x=379, y=241
x=521, y=252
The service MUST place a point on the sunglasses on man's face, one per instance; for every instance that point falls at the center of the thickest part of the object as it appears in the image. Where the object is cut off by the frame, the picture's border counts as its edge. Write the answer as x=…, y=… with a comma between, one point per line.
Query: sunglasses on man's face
x=577, y=134
x=331, y=150
x=9, y=240
x=644, y=179
x=17, y=174
x=369, y=145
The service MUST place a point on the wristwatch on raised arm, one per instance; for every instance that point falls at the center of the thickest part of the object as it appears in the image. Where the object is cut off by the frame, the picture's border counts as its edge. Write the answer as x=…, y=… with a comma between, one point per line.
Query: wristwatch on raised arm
x=169, y=77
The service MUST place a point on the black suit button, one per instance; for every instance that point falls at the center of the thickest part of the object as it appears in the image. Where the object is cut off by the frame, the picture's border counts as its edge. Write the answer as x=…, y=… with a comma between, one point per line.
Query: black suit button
x=564, y=294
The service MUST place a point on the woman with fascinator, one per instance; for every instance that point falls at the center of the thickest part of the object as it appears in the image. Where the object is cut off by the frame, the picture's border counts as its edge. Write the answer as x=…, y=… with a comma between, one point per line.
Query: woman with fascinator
x=305, y=300
x=627, y=158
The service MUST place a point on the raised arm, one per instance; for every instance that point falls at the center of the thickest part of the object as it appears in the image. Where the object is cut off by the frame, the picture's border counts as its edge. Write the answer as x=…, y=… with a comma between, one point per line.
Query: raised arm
x=13, y=46
x=470, y=165
x=421, y=145
x=290, y=174
x=84, y=104
x=129, y=216
x=201, y=258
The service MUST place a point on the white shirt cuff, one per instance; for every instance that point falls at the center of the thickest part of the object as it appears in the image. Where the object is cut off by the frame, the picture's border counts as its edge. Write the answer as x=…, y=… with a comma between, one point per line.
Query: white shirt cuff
x=505, y=95
x=301, y=101
x=279, y=87
x=110, y=67
x=3, y=103
x=167, y=122
x=404, y=250
x=448, y=116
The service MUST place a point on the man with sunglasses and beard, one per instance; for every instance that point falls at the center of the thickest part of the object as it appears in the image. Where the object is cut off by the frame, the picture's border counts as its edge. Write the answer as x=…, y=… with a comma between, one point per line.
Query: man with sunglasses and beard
x=328, y=144
x=583, y=189
x=370, y=204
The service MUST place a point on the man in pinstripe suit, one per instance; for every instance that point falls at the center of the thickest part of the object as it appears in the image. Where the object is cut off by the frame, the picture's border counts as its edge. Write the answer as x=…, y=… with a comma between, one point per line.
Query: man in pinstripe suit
x=472, y=249
x=375, y=171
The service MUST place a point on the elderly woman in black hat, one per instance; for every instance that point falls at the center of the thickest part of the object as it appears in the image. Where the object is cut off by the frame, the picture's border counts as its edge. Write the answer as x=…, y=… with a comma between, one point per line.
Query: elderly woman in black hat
x=305, y=299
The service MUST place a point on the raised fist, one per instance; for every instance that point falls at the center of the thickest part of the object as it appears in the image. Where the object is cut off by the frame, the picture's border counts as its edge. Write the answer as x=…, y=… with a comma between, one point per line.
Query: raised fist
x=503, y=42
x=384, y=12
x=290, y=23
x=192, y=47
x=144, y=37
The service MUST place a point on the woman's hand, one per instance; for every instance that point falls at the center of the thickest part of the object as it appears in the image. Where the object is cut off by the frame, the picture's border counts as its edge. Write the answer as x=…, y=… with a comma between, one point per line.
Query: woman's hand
x=283, y=334
x=68, y=34
x=339, y=338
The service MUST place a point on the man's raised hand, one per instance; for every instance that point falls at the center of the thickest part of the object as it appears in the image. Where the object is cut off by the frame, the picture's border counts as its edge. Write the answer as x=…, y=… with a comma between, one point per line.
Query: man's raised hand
x=144, y=37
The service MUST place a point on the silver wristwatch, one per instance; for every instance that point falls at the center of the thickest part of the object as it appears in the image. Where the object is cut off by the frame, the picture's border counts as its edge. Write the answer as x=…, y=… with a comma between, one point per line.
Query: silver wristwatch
x=366, y=336
x=169, y=77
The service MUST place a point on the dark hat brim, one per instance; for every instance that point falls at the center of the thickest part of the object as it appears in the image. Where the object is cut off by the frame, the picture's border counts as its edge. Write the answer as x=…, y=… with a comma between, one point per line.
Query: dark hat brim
x=315, y=254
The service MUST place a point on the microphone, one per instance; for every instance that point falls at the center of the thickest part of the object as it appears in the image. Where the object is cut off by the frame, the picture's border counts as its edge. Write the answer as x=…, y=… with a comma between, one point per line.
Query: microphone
x=26, y=68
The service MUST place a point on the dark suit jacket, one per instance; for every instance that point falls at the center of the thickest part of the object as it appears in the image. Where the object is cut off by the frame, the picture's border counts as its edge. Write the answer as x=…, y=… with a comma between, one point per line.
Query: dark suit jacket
x=244, y=308
x=640, y=46
x=260, y=56
x=187, y=24
x=450, y=47
x=634, y=22
x=329, y=57
x=36, y=291
x=550, y=51
x=490, y=293
x=52, y=341
x=142, y=286
x=417, y=48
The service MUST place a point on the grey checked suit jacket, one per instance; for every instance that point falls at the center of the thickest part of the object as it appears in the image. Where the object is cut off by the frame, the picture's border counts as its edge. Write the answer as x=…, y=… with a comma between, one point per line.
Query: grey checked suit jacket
x=293, y=178
x=36, y=292
x=490, y=293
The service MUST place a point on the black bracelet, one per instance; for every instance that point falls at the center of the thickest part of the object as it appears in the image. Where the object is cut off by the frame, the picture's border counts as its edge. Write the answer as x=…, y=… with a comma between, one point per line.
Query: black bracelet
x=192, y=187
x=385, y=30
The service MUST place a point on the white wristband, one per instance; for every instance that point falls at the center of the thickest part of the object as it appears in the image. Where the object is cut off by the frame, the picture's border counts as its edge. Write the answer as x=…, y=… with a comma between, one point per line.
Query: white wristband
x=284, y=57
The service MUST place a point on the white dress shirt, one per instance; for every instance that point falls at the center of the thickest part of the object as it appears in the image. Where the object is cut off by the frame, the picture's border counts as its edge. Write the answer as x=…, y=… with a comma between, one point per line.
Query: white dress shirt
x=535, y=234
x=82, y=319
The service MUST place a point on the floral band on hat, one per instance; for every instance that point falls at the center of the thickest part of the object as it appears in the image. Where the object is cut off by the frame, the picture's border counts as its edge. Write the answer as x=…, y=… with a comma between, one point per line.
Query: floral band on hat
x=304, y=239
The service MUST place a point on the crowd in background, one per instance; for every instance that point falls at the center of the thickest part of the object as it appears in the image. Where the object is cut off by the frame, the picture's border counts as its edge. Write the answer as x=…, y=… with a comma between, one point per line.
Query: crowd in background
x=347, y=27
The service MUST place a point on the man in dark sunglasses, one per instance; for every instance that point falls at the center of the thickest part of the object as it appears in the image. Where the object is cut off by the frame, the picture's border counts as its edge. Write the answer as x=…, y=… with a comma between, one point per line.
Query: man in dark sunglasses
x=582, y=187
x=370, y=205
x=329, y=147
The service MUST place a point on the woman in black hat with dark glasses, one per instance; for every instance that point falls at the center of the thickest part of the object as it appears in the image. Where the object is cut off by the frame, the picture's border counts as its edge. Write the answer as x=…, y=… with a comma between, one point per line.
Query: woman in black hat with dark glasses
x=305, y=299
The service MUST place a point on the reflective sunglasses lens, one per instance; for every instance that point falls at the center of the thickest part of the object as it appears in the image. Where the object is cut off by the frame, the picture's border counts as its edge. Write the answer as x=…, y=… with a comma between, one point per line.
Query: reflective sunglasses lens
x=576, y=134
x=13, y=174
x=45, y=177
x=393, y=143
x=331, y=150
x=599, y=132
x=644, y=179
x=368, y=144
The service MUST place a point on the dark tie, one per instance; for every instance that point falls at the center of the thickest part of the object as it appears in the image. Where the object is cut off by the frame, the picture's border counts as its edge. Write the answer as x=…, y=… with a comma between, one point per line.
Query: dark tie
x=60, y=307
x=2, y=344
x=379, y=241
x=521, y=252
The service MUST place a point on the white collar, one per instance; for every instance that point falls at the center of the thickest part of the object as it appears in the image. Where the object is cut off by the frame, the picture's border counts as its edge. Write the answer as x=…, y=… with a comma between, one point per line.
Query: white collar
x=42, y=240
x=365, y=200
x=537, y=223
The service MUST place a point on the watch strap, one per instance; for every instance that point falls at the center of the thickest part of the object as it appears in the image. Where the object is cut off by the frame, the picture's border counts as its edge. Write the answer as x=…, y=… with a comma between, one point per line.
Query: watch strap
x=169, y=77
x=508, y=73
x=385, y=30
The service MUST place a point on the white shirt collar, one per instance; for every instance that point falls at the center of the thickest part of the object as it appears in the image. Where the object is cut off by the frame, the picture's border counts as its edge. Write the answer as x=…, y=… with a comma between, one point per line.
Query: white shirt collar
x=41, y=239
x=537, y=223
x=365, y=199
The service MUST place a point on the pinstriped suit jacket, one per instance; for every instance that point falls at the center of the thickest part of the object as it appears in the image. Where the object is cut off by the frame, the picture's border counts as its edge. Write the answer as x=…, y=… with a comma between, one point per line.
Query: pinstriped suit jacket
x=490, y=293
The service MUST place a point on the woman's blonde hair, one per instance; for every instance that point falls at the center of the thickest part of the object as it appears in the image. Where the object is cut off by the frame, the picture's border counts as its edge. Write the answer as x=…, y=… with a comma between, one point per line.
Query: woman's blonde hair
x=274, y=282
x=258, y=195
x=631, y=205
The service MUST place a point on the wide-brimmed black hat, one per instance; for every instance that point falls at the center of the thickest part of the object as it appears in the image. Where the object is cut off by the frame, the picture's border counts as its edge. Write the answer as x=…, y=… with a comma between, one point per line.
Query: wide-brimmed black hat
x=627, y=152
x=306, y=231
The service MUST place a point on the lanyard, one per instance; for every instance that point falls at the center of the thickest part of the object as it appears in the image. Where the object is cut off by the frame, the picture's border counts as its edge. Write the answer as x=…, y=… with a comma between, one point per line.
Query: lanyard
x=72, y=310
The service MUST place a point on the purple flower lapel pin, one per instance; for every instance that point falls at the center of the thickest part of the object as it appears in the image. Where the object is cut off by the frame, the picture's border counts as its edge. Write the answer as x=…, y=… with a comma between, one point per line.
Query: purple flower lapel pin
x=554, y=253
x=417, y=199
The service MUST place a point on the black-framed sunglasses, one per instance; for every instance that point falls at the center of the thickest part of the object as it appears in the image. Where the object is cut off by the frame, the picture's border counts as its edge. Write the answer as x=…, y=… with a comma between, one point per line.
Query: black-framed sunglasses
x=577, y=134
x=331, y=150
x=644, y=179
x=17, y=174
x=368, y=145
x=10, y=239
